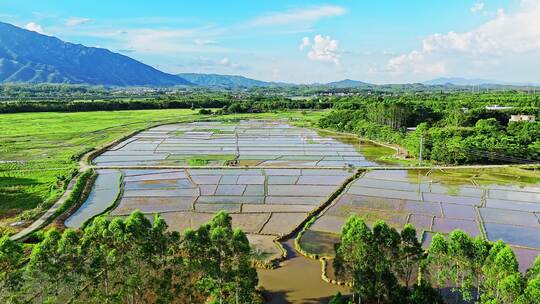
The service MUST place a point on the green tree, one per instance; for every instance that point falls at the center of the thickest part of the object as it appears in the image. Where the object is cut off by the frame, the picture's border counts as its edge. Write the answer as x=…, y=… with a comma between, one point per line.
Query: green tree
x=410, y=255
x=222, y=257
x=354, y=256
x=503, y=282
x=338, y=299
x=531, y=294
x=438, y=259
x=11, y=260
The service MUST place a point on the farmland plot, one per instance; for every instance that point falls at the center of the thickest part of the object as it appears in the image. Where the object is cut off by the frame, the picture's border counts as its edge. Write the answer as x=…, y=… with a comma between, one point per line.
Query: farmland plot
x=489, y=203
x=250, y=142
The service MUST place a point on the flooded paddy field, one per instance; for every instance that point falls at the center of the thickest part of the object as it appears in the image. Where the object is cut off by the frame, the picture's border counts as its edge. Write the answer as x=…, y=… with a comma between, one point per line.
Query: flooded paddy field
x=249, y=143
x=263, y=202
x=491, y=203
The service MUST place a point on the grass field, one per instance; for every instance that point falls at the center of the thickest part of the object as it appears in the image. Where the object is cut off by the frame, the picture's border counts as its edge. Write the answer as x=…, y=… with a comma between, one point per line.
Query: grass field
x=39, y=151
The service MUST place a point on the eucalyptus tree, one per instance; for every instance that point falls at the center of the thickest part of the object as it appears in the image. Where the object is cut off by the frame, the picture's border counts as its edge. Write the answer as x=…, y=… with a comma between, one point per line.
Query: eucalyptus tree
x=531, y=293
x=221, y=257
x=438, y=260
x=354, y=258
x=386, y=243
x=44, y=272
x=410, y=255
x=11, y=260
x=132, y=260
x=503, y=282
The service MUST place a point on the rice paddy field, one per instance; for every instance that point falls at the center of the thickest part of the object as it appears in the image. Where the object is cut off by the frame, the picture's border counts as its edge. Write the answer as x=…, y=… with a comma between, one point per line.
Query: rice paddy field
x=39, y=152
x=265, y=203
x=278, y=173
x=491, y=203
x=270, y=175
x=247, y=143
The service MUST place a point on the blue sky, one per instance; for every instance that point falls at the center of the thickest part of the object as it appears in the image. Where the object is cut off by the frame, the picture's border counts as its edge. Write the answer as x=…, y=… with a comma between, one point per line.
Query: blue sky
x=304, y=41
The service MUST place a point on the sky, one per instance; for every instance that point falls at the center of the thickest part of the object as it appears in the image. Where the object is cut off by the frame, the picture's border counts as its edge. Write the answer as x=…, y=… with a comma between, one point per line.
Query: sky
x=384, y=41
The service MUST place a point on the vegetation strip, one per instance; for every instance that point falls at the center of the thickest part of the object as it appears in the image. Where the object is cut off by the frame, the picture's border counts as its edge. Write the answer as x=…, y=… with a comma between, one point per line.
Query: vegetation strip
x=69, y=199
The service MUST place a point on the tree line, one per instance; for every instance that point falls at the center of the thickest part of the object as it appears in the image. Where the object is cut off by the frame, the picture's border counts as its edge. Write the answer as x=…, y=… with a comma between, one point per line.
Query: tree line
x=226, y=104
x=131, y=260
x=387, y=266
x=449, y=134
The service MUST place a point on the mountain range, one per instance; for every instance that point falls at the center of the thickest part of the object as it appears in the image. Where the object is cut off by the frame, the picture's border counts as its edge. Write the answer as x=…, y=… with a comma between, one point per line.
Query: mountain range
x=30, y=57
x=458, y=81
x=224, y=81
x=347, y=83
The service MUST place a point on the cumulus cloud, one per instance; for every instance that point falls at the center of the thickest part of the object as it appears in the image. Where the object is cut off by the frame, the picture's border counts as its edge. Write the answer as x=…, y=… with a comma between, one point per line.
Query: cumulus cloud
x=34, y=27
x=323, y=48
x=415, y=62
x=478, y=7
x=505, y=34
x=76, y=21
x=304, y=15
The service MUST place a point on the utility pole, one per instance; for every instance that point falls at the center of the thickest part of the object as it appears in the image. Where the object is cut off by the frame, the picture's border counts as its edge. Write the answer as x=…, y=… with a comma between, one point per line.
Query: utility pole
x=421, y=148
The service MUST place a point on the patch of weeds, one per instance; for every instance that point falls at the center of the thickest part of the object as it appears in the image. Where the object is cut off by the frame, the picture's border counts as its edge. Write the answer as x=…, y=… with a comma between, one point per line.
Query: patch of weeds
x=197, y=162
x=204, y=160
x=214, y=131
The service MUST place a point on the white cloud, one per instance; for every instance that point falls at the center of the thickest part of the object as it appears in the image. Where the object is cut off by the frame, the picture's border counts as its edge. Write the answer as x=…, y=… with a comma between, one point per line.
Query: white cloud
x=32, y=26
x=323, y=49
x=415, y=62
x=226, y=62
x=76, y=21
x=504, y=35
x=478, y=7
x=304, y=15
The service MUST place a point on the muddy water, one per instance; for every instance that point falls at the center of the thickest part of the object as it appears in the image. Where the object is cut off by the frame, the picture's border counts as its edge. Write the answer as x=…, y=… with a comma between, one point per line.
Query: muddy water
x=297, y=280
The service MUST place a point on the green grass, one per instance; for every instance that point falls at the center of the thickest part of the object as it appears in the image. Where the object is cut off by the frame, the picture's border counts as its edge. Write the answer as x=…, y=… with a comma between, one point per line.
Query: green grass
x=39, y=151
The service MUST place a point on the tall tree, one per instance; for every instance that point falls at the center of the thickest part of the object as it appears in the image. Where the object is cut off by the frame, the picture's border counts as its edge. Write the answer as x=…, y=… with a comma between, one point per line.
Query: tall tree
x=11, y=260
x=503, y=282
x=410, y=255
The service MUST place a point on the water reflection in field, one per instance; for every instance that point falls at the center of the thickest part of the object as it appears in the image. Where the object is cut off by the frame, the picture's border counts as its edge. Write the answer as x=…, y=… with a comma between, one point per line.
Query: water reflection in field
x=492, y=203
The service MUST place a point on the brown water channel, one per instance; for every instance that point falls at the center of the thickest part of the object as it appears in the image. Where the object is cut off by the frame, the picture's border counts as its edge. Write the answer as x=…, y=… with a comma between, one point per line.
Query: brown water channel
x=297, y=280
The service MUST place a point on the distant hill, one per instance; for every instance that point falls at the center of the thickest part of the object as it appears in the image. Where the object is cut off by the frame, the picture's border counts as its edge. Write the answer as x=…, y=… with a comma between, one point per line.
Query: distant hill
x=347, y=83
x=224, y=81
x=460, y=81
x=29, y=57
